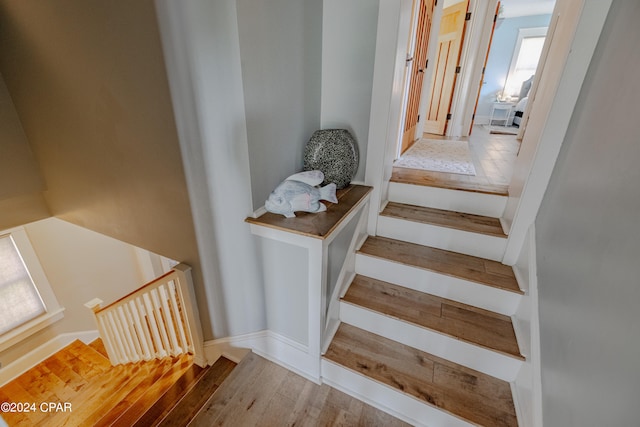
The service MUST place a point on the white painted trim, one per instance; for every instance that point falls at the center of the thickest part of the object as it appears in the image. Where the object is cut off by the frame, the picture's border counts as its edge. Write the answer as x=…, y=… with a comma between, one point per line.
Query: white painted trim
x=387, y=399
x=450, y=239
x=464, y=353
x=476, y=44
x=386, y=99
x=551, y=113
x=534, y=357
x=37, y=355
x=475, y=294
x=259, y=212
x=491, y=205
x=274, y=347
x=24, y=331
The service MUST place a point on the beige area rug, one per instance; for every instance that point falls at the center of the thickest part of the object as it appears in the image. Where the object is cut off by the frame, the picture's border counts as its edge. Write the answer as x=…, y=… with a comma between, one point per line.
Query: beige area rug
x=502, y=130
x=438, y=155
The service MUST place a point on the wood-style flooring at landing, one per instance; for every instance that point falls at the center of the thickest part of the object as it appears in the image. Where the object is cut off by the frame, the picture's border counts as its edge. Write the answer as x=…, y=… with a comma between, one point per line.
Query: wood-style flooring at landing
x=99, y=394
x=261, y=393
x=493, y=157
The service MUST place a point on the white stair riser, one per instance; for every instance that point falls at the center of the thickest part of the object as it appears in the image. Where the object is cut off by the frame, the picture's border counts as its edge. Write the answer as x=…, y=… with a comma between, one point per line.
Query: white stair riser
x=463, y=353
x=450, y=239
x=491, y=205
x=383, y=397
x=464, y=291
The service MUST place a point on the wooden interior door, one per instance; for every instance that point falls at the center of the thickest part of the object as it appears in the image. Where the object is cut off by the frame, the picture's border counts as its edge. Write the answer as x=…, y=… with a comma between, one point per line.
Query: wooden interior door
x=425, y=17
x=447, y=57
x=484, y=67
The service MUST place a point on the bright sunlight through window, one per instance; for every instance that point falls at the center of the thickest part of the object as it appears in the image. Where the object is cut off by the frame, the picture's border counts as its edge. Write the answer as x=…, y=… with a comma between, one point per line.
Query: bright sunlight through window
x=525, y=59
x=19, y=298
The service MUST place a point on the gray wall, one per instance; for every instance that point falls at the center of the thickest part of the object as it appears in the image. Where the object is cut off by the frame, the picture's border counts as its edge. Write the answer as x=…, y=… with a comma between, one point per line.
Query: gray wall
x=21, y=183
x=588, y=244
x=281, y=54
x=349, y=30
x=88, y=81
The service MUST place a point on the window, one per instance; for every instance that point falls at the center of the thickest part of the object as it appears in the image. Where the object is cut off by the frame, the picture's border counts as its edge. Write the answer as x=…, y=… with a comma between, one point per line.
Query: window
x=19, y=297
x=27, y=303
x=525, y=59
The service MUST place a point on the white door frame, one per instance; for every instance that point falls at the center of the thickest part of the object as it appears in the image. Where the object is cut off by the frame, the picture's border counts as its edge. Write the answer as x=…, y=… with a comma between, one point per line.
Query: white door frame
x=582, y=23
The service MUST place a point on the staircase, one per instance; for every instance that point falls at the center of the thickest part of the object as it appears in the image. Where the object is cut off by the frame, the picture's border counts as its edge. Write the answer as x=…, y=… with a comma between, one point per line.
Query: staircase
x=157, y=392
x=426, y=330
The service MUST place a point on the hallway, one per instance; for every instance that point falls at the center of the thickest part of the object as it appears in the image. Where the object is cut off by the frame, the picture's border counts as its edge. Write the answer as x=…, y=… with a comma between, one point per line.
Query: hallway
x=493, y=157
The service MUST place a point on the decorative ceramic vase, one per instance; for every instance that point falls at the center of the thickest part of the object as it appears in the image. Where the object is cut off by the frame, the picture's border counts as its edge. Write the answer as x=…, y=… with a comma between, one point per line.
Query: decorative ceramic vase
x=335, y=153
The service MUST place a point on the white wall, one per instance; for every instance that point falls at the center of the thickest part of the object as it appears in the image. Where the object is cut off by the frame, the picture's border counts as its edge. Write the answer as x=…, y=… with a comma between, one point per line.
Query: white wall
x=348, y=51
x=588, y=243
x=281, y=55
x=80, y=265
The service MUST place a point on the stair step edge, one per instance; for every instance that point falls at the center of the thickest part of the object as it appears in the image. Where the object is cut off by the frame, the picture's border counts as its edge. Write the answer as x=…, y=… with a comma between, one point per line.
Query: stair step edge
x=511, y=283
x=519, y=356
x=446, y=393
x=478, y=282
x=465, y=223
x=389, y=399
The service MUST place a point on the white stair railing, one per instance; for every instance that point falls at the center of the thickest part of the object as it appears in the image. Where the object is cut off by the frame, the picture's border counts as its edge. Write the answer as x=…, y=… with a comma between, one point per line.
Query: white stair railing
x=158, y=320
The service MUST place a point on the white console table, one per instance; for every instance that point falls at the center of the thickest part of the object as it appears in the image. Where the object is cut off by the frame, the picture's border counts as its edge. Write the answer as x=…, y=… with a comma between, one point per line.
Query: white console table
x=504, y=108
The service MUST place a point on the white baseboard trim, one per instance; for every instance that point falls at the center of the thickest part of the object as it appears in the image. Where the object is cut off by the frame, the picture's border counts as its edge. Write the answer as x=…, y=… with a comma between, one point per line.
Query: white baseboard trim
x=38, y=354
x=270, y=345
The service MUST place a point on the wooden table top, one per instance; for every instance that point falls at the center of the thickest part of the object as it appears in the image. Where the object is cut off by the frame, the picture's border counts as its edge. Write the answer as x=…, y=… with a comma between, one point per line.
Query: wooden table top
x=317, y=225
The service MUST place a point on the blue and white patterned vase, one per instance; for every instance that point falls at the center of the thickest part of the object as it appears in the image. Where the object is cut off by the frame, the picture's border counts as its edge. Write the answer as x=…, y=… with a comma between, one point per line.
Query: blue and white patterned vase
x=335, y=153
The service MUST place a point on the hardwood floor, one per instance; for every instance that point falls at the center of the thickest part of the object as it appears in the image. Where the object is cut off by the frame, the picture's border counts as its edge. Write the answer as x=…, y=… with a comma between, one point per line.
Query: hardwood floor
x=261, y=393
x=95, y=392
x=255, y=393
x=493, y=157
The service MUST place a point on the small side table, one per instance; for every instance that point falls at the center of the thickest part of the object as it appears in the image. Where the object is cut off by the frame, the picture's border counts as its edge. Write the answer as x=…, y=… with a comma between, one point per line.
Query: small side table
x=505, y=115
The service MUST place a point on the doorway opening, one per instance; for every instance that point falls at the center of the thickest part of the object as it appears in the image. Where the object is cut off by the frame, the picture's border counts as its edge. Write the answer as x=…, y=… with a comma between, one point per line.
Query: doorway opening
x=499, y=101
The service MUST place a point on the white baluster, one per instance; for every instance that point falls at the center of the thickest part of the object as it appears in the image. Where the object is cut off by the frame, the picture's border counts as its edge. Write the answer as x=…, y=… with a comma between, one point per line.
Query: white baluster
x=181, y=321
x=153, y=325
x=157, y=308
x=169, y=321
x=140, y=330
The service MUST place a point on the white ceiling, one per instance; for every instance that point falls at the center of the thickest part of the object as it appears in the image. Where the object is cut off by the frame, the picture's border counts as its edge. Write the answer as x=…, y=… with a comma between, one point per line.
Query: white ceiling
x=514, y=8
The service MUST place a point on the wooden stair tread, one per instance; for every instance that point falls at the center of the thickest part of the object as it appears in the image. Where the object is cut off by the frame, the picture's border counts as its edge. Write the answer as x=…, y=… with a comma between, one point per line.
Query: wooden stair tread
x=448, y=181
x=195, y=398
x=461, y=391
x=467, y=267
x=98, y=346
x=460, y=321
x=118, y=403
x=153, y=393
x=443, y=218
